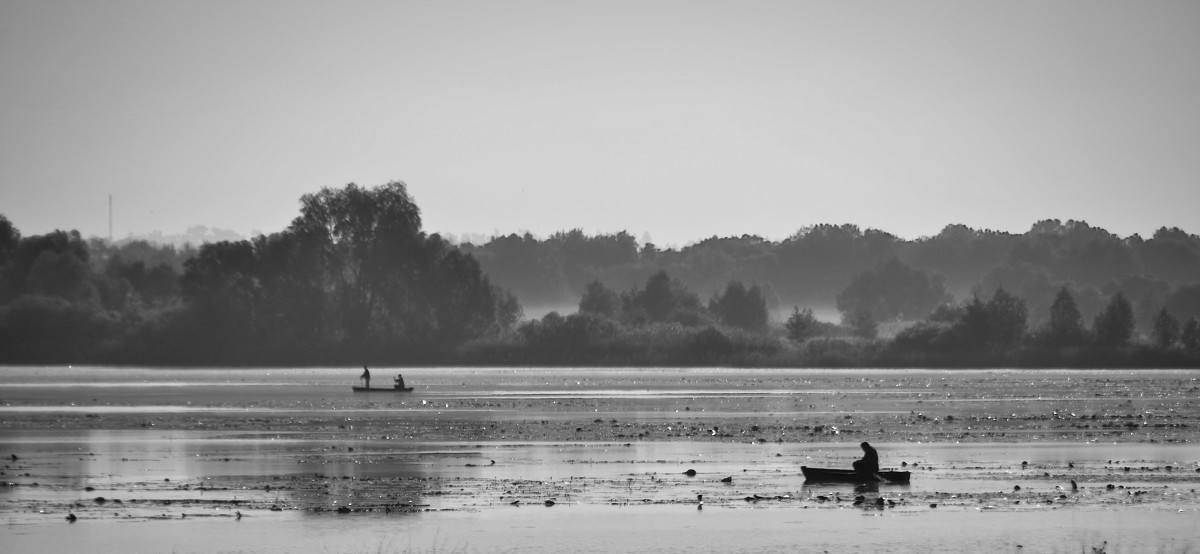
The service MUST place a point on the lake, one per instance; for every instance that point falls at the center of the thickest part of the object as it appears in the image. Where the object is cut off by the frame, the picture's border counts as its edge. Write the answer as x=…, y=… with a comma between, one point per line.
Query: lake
x=290, y=460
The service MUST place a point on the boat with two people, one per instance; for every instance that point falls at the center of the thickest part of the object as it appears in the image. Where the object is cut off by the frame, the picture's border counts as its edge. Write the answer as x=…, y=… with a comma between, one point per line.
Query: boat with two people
x=397, y=385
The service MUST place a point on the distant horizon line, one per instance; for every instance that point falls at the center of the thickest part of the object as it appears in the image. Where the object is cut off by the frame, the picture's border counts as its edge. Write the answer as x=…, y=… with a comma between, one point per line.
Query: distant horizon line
x=202, y=234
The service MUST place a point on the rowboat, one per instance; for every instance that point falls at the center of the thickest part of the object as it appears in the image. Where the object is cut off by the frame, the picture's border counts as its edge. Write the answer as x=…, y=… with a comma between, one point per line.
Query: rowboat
x=382, y=389
x=822, y=475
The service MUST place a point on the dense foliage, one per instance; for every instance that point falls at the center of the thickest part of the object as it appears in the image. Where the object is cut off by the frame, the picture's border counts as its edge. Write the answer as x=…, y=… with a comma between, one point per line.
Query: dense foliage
x=354, y=279
x=845, y=268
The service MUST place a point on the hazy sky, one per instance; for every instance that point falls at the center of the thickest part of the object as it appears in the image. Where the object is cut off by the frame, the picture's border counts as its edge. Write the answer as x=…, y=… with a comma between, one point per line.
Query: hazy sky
x=680, y=119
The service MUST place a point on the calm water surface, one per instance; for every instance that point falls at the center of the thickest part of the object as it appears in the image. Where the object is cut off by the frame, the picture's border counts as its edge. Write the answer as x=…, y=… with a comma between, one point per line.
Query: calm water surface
x=178, y=484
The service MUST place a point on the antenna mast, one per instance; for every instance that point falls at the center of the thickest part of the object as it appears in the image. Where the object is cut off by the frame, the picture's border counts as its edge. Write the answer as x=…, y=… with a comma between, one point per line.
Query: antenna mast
x=110, y=219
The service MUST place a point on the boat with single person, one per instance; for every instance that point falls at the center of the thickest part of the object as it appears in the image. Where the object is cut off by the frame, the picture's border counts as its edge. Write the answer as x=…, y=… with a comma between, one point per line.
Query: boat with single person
x=826, y=475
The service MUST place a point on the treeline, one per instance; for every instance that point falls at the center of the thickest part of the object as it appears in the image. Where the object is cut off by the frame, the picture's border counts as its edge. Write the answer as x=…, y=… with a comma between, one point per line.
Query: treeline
x=354, y=279
x=840, y=268
x=662, y=322
x=1060, y=295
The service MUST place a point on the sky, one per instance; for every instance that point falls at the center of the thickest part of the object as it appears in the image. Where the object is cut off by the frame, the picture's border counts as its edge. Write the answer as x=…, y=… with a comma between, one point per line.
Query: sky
x=672, y=120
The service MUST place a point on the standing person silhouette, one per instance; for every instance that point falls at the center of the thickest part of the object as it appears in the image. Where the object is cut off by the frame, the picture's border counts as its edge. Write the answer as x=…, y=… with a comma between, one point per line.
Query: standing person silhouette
x=869, y=464
x=366, y=376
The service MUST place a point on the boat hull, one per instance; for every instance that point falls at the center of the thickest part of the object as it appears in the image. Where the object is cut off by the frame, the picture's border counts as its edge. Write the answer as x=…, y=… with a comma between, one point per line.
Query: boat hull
x=822, y=475
x=381, y=389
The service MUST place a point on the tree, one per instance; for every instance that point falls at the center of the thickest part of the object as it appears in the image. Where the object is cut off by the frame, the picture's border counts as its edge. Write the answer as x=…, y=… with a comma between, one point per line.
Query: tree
x=1146, y=296
x=995, y=326
x=740, y=307
x=370, y=250
x=41, y=329
x=1114, y=325
x=508, y=309
x=1172, y=255
x=1166, y=329
x=861, y=323
x=456, y=301
x=567, y=339
x=1185, y=301
x=658, y=299
x=56, y=263
x=962, y=254
x=1031, y=283
x=61, y=275
x=10, y=239
x=802, y=325
x=581, y=257
x=222, y=290
x=1075, y=251
x=1009, y=319
x=1066, y=324
x=600, y=300
x=663, y=299
x=353, y=270
x=293, y=290
x=894, y=290
x=155, y=285
x=528, y=267
x=818, y=261
x=1190, y=337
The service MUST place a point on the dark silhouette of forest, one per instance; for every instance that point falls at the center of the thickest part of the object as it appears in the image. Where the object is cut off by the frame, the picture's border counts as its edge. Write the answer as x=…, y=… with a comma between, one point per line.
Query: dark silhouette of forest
x=354, y=279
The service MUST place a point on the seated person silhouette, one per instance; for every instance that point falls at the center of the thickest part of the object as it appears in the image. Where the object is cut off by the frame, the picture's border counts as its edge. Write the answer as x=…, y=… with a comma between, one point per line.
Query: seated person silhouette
x=869, y=464
x=399, y=381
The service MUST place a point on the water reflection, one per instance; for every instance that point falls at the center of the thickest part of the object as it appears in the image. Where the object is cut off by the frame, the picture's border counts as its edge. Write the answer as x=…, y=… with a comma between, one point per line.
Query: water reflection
x=182, y=473
x=611, y=448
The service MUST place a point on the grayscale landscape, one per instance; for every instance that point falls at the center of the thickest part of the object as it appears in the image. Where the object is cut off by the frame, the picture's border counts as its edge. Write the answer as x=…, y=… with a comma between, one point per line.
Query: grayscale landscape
x=651, y=276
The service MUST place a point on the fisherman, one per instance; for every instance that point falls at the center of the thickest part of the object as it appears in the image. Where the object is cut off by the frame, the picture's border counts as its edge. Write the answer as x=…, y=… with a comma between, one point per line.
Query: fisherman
x=869, y=464
x=366, y=376
x=399, y=381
